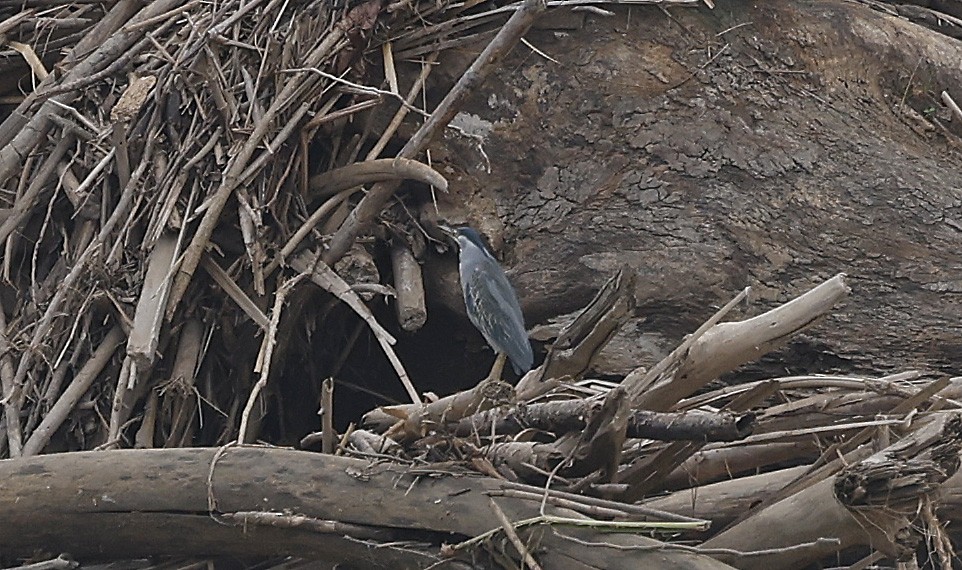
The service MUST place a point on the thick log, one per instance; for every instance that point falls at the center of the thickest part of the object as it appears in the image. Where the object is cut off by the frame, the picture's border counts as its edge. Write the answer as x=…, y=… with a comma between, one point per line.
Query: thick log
x=644, y=474
x=719, y=462
x=724, y=501
x=872, y=502
x=812, y=512
x=658, y=167
x=711, y=465
x=269, y=501
x=825, y=409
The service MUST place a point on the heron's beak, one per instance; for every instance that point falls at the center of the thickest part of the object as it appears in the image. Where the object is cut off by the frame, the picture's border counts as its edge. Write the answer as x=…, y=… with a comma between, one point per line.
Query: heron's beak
x=448, y=231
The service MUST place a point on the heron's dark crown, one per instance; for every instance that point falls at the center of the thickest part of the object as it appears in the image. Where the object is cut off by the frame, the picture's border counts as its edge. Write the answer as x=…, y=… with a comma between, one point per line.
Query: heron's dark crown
x=474, y=237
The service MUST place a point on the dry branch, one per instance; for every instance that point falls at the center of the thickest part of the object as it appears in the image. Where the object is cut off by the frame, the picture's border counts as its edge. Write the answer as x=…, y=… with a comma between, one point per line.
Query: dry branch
x=415, y=421
x=571, y=354
x=10, y=395
x=410, y=304
x=599, y=446
x=572, y=415
x=326, y=278
x=577, y=344
x=145, y=334
x=328, y=435
x=266, y=353
x=235, y=292
x=726, y=346
x=82, y=382
x=180, y=396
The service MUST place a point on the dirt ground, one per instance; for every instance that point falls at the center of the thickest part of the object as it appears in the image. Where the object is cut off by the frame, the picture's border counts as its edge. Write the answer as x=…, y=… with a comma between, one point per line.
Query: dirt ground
x=771, y=144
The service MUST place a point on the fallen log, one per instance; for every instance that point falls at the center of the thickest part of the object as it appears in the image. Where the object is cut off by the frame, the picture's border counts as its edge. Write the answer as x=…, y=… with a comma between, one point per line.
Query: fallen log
x=268, y=501
x=872, y=502
x=713, y=465
x=724, y=501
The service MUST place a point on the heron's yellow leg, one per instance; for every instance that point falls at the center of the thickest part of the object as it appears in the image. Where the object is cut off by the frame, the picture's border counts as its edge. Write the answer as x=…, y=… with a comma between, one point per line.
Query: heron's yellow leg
x=498, y=367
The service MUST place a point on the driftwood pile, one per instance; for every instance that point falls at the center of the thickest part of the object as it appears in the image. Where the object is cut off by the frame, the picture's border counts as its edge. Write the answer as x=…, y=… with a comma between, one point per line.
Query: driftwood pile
x=175, y=176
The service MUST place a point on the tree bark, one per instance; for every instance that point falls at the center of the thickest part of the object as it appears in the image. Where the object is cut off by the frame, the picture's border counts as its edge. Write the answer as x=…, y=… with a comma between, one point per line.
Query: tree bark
x=737, y=155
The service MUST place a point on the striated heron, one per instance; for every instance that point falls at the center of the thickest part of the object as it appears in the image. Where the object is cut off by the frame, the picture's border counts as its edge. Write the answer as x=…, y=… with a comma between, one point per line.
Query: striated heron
x=490, y=300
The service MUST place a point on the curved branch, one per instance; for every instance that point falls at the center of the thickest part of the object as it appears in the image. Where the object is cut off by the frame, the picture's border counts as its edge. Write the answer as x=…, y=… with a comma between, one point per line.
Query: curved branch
x=331, y=182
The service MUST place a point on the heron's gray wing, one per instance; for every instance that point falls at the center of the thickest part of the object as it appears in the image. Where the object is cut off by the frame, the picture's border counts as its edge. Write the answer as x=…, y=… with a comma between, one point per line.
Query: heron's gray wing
x=494, y=309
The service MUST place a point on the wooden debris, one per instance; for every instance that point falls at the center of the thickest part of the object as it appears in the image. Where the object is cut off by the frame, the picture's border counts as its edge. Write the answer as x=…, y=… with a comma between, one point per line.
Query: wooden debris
x=374, y=201
x=573, y=415
x=250, y=480
x=836, y=506
x=410, y=306
x=180, y=389
x=722, y=347
x=145, y=334
x=254, y=138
